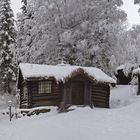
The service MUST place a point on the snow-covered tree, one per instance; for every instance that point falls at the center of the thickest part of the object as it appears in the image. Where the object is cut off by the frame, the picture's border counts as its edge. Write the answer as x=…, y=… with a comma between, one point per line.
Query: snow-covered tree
x=82, y=32
x=7, y=40
x=23, y=25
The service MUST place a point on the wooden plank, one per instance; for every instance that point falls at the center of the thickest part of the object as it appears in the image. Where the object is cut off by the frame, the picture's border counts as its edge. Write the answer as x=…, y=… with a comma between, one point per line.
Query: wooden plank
x=99, y=105
x=78, y=93
x=47, y=103
x=99, y=97
x=45, y=95
x=100, y=86
x=99, y=100
x=47, y=98
x=99, y=91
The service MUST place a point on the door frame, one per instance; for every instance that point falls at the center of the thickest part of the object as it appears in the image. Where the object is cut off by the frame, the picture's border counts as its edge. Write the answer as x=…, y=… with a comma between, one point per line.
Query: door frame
x=67, y=91
x=83, y=92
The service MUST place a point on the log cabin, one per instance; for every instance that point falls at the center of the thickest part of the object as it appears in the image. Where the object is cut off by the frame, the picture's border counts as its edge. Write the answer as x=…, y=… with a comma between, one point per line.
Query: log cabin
x=51, y=85
x=122, y=78
x=136, y=73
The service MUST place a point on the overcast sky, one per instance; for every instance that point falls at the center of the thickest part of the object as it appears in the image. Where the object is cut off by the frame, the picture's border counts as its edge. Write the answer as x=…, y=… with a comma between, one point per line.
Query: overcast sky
x=132, y=11
x=129, y=7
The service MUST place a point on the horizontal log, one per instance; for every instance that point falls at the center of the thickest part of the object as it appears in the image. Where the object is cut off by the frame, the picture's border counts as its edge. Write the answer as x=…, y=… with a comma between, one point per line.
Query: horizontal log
x=45, y=95
x=100, y=104
x=100, y=87
x=99, y=91
x=99, y=100
x=36, y=93
x=47, y=103
x=97, y=94
x=100, y=94
x=47, y=98
x=99, y=97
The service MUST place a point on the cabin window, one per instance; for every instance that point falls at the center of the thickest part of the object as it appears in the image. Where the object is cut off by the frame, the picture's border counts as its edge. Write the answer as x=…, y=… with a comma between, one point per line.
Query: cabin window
x=45, y=87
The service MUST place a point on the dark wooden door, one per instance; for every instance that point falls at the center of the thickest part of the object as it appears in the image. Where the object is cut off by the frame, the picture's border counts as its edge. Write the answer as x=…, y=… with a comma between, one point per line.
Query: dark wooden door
x=78, y=93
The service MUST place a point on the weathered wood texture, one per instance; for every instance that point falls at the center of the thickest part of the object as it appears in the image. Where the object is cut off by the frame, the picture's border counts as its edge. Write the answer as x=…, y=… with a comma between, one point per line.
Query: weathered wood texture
x=100, y=95
x=23, y=96
x=78, y=89
x=52, y=98
x=78, y=93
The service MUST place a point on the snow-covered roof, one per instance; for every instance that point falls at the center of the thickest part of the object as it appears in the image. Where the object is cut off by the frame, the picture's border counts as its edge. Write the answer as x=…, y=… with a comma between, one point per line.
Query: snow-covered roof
x=136, y=71
x=61, y=72
x=121, y=67
x=127, y=68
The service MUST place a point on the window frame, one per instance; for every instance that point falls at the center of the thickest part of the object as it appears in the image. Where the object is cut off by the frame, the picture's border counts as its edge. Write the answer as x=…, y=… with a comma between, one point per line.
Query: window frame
x=45, y=87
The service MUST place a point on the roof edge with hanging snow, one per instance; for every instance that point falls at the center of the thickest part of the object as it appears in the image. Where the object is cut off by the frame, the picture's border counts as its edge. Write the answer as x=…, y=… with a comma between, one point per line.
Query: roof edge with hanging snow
x=136, y=71
x=61, y=72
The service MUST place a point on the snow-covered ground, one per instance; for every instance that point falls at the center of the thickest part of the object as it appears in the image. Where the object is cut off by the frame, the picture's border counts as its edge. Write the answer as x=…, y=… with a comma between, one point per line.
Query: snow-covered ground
x=121, y=122
x=122, y=95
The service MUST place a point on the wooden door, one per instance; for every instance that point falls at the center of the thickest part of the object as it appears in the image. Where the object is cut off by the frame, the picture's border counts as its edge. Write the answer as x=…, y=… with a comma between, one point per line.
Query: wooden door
x=78, y=93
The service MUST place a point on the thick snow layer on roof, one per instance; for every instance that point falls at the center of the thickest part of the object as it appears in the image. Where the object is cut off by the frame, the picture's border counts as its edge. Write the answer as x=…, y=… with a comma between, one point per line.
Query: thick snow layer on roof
x=121, y=67
x=136, y=71
x=61, y=72
x=127, y=68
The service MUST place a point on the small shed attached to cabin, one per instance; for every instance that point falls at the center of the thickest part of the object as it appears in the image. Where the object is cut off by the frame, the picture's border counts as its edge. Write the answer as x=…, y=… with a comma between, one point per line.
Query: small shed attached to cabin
x=51, y=85
x=123, y=73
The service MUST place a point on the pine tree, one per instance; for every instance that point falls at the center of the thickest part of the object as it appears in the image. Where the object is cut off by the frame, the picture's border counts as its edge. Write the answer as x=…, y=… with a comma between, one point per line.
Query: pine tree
x=24, y=40
x=7, y=40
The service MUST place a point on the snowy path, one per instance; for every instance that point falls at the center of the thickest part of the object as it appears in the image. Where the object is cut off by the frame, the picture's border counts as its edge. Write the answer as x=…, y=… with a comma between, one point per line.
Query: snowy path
x=121, y=123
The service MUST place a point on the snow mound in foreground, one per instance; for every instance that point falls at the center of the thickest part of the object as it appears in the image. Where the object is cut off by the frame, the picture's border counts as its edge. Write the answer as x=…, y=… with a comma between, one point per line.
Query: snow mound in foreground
x=122, y=95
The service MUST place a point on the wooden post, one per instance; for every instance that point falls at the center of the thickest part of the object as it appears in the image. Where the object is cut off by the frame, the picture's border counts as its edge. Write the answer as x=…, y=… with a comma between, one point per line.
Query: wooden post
x=10, y=109
x=10, y=112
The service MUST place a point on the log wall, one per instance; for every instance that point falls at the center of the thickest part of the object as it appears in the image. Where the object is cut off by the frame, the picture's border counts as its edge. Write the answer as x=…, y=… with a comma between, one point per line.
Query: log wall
x=96, y=94
x=100, y=94
x=45, y=98
x=23, y=98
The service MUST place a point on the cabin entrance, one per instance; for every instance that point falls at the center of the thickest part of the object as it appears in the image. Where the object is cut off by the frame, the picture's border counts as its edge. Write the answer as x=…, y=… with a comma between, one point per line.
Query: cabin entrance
x=78, y=93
